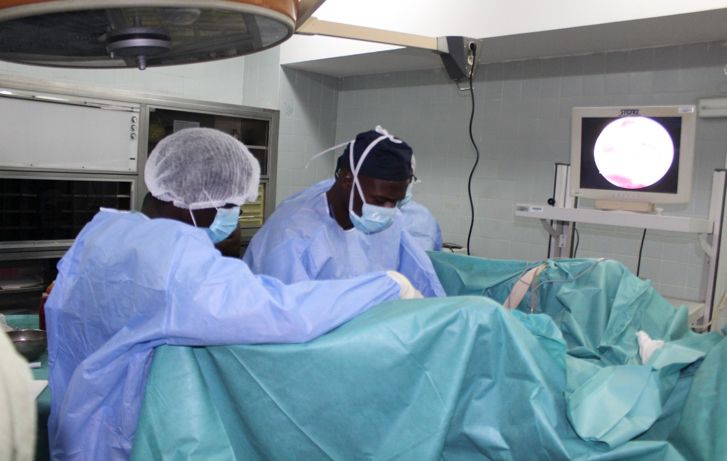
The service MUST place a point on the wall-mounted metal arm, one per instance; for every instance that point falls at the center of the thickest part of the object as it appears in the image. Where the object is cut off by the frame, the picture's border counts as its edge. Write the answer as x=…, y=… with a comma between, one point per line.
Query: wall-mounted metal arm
x=458, y=53
x=314, y=26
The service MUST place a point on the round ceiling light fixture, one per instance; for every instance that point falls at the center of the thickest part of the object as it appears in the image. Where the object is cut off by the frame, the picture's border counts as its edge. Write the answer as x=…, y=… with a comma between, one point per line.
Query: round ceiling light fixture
x=139, y=33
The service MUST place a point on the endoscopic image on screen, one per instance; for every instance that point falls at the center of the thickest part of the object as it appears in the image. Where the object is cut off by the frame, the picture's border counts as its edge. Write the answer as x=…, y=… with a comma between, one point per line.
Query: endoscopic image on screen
x=631, y=153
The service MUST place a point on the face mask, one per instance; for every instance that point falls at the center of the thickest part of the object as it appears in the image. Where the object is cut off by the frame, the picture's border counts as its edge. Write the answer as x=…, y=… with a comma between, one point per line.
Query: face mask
x=373, y=218
x=224, y=224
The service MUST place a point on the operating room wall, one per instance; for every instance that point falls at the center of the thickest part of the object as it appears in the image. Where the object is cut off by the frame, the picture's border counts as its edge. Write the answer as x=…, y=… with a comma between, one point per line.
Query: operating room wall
x=216, y=81
x=261, y=79
x=522, y=127
x=308, y=103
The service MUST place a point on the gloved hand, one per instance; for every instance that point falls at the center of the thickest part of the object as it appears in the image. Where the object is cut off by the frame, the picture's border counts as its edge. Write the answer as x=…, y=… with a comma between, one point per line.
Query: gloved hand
x=406, y=289
x=647, y=346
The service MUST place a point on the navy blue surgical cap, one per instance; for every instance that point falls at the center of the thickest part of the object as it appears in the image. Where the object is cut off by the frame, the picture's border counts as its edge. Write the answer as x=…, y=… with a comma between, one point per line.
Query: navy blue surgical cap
x=388, y=160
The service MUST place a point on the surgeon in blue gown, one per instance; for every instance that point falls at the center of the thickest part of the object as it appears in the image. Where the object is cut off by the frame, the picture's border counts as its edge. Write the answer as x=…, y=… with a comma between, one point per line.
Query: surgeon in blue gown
x=420, y=223
x=132, y=282
x=349, y=225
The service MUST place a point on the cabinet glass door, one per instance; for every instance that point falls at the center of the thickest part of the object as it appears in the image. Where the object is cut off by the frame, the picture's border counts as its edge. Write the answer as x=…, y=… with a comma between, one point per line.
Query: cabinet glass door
x=55, y=209
x=252, y=132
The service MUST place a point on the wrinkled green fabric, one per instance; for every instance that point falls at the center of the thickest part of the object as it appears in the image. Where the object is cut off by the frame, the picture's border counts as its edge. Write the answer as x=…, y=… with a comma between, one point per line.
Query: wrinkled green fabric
x=407, y=380
x=456, y=378
x=599, y=305
x=702, y=431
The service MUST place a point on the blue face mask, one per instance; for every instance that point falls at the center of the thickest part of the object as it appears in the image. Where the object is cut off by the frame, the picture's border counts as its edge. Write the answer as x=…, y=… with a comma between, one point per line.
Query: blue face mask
x=373, y=218
x=225, y=223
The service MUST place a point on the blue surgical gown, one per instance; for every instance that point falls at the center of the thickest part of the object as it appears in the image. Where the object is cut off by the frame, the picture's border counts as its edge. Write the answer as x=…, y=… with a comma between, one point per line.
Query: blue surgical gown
x=301, y=241
x=130, y=283
x=422, y=226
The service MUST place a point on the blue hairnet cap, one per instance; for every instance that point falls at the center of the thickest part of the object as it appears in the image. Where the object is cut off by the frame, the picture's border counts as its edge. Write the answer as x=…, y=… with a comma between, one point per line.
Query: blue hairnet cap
x=390, y=159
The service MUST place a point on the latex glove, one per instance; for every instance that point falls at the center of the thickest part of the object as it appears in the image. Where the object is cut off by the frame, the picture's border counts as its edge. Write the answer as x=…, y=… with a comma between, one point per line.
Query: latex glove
x=406, y=289
x=647, y=346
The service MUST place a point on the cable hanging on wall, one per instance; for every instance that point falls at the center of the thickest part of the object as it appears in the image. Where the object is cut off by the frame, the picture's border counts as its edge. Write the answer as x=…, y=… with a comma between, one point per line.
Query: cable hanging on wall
x=473, y=48
x=641, y=250
x=460, y=62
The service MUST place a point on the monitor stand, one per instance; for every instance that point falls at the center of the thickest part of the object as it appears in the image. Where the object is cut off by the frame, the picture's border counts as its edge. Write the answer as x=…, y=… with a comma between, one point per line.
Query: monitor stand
x=640, y=207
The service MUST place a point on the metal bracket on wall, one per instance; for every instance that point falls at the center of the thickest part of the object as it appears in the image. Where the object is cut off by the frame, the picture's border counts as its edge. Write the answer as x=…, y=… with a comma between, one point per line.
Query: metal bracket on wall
x=459, y=56
x=553, y=232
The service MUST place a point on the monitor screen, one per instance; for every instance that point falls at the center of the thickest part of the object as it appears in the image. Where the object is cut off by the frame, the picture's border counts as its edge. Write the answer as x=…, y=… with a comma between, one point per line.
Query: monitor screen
x=633, y=154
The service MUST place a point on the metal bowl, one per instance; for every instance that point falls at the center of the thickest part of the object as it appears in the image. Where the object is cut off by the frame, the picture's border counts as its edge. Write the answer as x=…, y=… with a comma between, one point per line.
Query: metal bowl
x=31, y=344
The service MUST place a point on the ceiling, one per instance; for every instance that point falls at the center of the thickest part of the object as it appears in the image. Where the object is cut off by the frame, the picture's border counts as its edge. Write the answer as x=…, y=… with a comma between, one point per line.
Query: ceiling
x=698, y=27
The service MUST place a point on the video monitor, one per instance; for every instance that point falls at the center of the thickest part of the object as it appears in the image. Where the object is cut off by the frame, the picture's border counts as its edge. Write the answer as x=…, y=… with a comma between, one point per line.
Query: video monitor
x=633, y=157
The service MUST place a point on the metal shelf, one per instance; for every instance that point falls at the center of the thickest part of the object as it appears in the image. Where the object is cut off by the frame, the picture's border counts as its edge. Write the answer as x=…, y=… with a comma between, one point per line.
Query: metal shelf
x=14, y=291
x=616, y=218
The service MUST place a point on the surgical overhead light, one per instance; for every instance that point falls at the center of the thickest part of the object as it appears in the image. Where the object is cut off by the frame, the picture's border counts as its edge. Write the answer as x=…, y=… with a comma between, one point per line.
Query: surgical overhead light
x=147, y=33
x=141, y=33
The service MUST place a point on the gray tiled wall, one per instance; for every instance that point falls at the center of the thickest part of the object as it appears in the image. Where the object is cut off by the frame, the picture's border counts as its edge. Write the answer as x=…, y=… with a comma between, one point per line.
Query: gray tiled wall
x=522, y=127
x=308, y=104
x=261, y=79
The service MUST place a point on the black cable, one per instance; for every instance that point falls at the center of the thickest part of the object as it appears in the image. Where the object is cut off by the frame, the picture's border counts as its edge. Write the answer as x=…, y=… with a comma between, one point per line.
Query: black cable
x=641, y=249
x=578, y=239
x=473, y=47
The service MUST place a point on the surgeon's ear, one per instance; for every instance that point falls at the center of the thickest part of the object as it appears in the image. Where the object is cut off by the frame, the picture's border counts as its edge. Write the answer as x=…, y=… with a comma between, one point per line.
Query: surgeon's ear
x=346, y=179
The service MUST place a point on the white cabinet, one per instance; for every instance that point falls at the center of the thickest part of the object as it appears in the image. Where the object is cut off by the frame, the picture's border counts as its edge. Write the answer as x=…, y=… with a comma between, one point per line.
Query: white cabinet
x=67, y=133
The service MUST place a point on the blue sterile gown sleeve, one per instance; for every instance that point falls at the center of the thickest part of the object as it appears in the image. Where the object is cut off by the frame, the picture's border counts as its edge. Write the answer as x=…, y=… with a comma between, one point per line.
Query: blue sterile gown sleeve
x=422, y=226
x=129, y=284
x=301, y=241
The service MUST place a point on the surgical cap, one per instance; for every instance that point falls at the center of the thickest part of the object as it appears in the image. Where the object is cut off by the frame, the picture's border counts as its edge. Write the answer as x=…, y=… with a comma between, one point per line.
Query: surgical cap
x=199, y=168
x=389, y=160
